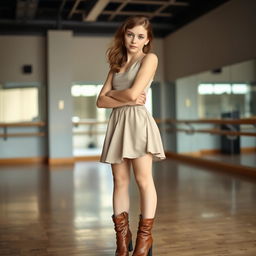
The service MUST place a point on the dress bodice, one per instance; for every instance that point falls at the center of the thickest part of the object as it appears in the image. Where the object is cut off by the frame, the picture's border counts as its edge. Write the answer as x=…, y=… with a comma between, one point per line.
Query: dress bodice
x=124, y=80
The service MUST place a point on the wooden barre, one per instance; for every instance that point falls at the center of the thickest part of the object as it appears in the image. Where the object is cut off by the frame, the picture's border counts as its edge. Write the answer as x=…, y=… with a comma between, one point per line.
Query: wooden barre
x=23, y=124
x=22, y=134
x=213, y=121
x=90, y=123
x=88, y=133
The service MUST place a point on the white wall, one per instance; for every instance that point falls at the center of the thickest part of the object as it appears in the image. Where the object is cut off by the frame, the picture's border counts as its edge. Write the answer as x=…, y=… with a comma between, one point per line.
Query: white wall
x=16, y=51
x=59, y=76
x=88, y=58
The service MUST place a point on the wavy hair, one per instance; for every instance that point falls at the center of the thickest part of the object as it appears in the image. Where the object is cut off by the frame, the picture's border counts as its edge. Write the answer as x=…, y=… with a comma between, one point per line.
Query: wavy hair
x=116, y=53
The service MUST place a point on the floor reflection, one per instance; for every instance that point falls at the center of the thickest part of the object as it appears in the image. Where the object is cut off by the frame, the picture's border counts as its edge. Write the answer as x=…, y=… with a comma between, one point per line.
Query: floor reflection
x=93, y=194
x=245, y=159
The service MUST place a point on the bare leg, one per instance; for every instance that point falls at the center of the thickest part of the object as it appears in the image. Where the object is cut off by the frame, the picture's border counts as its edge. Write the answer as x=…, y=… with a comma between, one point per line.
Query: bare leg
x=142, y=168
x=121, y=178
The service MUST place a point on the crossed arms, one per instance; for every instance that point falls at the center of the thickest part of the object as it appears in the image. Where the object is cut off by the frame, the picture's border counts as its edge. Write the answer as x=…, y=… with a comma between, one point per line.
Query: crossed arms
x=135, y=94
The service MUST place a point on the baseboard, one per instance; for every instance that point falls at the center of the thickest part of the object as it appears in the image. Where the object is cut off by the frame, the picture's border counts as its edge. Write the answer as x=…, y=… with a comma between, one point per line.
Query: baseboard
x=23, y=160
x=61, y=161
x=87, y=158
x=191, y=154
x=207, y=152
x=50, y=161
x=203, y=152
x=248, y=150
x=214, y=165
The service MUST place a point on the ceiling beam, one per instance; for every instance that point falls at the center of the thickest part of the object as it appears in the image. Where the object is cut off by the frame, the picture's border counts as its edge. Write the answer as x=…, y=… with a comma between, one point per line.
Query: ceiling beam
x=120, y=7
x=162, y=5
x=59, y=18
x=171, y=2
x=96, y=10
x=62, y=6
x=175, y=3
x=138, y=13
x=73, y=9
x=73, y=24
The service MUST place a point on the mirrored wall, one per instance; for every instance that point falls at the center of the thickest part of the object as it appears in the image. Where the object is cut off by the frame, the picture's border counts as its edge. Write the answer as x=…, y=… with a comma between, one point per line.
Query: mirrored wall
x=227, y=92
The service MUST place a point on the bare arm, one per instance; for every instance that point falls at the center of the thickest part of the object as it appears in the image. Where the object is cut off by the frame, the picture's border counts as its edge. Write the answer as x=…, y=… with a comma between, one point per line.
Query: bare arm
x=145, y=73
x=104, y=101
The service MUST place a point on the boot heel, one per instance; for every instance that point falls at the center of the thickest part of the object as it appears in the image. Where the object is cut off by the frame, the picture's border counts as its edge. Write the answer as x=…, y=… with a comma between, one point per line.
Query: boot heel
x=150, y=251
x=130, y=247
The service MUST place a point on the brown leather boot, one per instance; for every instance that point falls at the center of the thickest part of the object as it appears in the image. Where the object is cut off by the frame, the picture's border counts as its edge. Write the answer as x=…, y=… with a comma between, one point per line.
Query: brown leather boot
x=123, y=234
x=144, y=238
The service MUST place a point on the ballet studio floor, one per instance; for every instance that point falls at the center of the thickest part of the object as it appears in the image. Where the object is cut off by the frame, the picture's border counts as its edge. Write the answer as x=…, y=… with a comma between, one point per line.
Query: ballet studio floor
x=67, y=211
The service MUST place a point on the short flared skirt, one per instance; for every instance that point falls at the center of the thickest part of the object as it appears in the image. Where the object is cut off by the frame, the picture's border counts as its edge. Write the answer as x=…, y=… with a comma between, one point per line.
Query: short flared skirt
x=131, y=133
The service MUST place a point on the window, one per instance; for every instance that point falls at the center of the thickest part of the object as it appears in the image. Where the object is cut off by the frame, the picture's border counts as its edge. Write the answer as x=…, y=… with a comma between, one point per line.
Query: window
x=19, y=104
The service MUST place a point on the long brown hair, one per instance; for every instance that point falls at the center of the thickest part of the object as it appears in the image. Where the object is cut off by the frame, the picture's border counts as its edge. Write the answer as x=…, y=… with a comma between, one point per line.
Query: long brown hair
x=116, y=53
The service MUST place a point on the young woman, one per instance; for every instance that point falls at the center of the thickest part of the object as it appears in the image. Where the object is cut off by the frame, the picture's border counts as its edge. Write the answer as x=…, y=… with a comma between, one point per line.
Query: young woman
x=132, y=136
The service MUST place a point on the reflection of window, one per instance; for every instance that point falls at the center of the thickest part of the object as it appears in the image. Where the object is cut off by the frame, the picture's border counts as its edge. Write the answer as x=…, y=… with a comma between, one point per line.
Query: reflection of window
x=240, y=88
x=19, y=104
x=84, y=103
x=223, y=88
x=88, y=138
x=216, y=98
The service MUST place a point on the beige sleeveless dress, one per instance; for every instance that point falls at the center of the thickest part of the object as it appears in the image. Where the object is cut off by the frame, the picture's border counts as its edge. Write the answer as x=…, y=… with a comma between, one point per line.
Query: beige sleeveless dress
x=132, y=132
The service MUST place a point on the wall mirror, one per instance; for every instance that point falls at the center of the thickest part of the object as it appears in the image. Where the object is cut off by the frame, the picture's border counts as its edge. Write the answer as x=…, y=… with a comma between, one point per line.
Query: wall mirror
x=227, y=92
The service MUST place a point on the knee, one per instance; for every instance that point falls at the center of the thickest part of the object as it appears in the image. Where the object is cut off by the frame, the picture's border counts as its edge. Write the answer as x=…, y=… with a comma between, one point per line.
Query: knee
x=143, y=181
x=121, y=181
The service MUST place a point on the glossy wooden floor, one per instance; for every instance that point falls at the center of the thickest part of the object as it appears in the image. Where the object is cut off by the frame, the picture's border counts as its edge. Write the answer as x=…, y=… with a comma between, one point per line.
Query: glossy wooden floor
x=243, y=159
x=67, y=211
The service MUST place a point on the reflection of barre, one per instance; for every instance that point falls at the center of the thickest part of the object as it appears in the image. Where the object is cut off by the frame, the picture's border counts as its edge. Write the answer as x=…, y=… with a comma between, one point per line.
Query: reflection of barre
x=30, y=134
x=214, y=131
x=88, y=133
x=89, y=123
x=214, y=121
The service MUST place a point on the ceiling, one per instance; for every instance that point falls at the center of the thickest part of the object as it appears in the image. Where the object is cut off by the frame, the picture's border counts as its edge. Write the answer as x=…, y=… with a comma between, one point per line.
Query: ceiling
x=98, y=17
